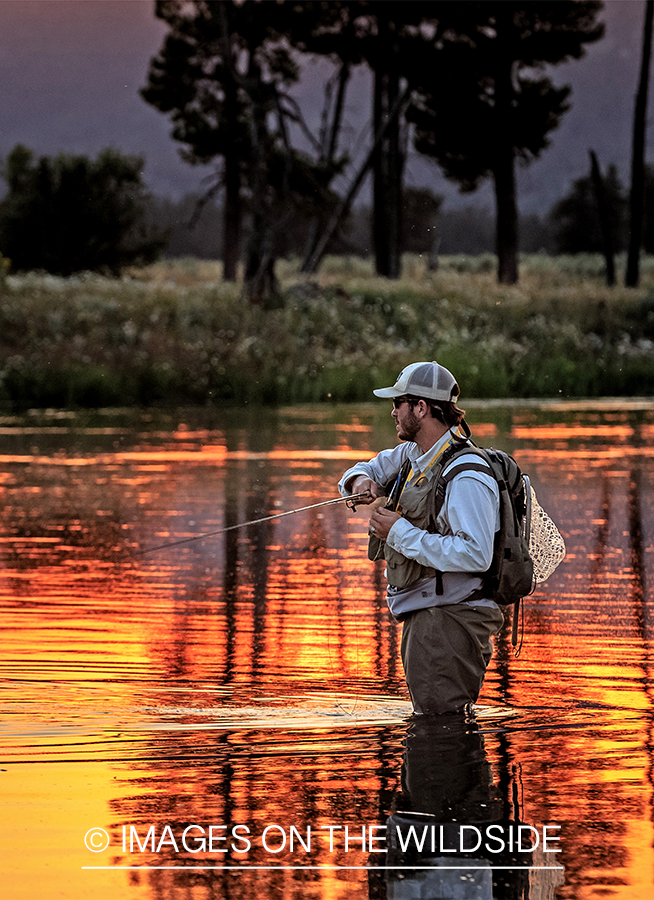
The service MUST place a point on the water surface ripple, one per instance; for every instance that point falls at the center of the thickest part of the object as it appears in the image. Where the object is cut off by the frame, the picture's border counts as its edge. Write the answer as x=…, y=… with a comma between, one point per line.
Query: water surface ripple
x=252, y=680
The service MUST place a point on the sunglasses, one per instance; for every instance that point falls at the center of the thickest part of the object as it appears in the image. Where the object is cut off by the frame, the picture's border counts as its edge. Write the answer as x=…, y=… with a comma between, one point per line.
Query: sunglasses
x=398, y=401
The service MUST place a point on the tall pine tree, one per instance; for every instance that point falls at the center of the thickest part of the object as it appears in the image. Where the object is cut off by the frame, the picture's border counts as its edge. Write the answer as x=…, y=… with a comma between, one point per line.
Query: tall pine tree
x=482, y=100
x=223, y=75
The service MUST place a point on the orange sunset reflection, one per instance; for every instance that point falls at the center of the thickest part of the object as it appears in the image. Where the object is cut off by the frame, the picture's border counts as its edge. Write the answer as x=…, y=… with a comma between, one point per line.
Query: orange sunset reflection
x=254, y=677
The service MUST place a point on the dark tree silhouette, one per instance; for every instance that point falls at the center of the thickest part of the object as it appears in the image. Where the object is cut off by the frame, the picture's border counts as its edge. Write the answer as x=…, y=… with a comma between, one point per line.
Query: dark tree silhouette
x=648, y=217
x=482, y=100
x=223, y=75
x=576, y=220
x=193, y=79
x=604, y=216
x=420, y=208
x=381, y=35
x=389, y=158
x=637, y=191
x=67, y=214
x=385, y=36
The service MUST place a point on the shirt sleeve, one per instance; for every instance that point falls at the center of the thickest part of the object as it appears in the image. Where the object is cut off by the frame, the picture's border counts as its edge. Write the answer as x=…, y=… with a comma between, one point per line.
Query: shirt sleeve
x=467, y=524
x=382, y=468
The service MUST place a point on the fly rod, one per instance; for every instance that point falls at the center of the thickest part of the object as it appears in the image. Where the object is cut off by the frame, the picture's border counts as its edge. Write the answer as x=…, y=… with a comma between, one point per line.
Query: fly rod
x=352, y=499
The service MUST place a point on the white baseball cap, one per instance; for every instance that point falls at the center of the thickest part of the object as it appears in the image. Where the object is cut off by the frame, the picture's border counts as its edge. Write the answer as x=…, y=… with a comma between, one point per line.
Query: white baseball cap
x=423, y=379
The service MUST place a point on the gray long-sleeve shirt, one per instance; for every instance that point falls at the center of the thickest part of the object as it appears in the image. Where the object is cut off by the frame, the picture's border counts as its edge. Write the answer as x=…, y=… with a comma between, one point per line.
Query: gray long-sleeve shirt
x=462, y=548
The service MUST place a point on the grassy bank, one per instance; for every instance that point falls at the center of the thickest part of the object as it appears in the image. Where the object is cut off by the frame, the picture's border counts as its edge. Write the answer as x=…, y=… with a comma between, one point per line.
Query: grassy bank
x=173, y=333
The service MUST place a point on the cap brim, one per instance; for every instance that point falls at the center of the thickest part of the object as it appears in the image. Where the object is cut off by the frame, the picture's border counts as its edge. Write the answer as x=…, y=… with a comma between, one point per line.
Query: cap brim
x=387, y=393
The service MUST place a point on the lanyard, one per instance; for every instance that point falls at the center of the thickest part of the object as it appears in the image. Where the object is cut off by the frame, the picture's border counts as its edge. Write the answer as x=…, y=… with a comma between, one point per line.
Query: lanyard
x=434, y=461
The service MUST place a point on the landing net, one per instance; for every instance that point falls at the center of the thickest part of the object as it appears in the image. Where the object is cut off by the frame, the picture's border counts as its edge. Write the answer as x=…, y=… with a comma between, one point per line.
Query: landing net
x=546, y=546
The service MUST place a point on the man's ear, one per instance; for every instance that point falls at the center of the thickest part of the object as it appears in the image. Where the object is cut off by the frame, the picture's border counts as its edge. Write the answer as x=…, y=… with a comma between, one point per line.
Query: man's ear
x=423, y=406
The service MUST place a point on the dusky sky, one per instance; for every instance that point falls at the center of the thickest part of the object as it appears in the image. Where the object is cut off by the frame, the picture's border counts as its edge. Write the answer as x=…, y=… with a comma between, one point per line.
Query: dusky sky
x=70, y=72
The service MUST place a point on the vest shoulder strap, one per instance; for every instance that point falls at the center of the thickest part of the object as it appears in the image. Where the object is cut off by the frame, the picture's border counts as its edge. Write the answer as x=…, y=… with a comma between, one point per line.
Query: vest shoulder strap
x=396, y=490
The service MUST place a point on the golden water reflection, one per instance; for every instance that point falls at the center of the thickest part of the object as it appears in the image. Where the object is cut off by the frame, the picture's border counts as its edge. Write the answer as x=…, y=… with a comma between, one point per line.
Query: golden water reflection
x=253, y=678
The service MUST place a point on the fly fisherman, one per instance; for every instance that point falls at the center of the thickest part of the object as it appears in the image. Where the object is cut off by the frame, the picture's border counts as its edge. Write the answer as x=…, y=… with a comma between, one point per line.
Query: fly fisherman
x=434, y=569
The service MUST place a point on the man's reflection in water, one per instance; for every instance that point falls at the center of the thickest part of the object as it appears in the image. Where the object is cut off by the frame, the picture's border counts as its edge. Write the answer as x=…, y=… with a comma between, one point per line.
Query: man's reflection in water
x=447, y=783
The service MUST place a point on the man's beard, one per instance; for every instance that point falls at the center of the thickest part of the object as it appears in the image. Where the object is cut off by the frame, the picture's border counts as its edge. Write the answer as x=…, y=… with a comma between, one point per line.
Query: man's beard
x=409, y=429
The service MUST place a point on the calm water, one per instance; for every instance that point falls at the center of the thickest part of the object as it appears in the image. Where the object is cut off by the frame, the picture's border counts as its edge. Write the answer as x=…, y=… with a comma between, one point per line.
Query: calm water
x=246, y=690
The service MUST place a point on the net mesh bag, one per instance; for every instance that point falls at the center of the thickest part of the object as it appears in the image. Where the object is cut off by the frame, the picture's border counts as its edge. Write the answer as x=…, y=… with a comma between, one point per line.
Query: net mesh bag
x=546, y=546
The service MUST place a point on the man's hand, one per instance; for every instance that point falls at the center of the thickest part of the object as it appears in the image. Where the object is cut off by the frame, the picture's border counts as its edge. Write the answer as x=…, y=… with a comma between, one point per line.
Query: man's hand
x=364, y=485
x=381, y=522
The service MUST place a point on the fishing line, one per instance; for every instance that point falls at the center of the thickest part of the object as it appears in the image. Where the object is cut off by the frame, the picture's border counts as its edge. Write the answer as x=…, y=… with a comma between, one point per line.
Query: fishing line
x=350, y=712
x=352, y=499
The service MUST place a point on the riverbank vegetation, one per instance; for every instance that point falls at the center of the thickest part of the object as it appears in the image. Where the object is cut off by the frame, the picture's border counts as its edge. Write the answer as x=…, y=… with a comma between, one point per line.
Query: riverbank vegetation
x=175, y=333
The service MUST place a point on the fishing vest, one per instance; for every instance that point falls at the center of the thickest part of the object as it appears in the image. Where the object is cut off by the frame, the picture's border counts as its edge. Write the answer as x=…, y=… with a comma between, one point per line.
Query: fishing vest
x=417, y=503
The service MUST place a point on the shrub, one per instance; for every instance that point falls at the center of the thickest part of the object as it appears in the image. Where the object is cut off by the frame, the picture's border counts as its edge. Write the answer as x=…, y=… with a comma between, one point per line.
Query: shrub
x=70, y=214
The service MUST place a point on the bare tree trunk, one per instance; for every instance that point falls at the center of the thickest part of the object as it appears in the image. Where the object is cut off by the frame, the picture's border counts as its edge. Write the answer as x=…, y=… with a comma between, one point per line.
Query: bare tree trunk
x=330, y=147
x=637, y=191
x=312, y=263
x=604, y=218
x=504, y=167
x=387, y=162
x=260, y=283
x=379, y=233
x=507, y=219
x=387, y=191
x=262, y=286
x=232, y=210
x=335, y=129
x=232, y=217
x=432, y=260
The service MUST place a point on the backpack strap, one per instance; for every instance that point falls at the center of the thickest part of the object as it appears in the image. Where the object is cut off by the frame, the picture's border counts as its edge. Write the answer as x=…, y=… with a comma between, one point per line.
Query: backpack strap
x=455, y=468
x=462, y=446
